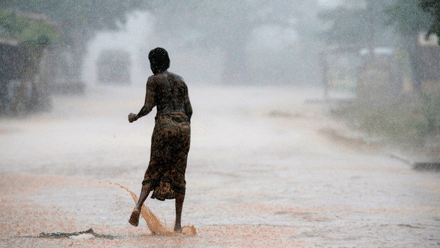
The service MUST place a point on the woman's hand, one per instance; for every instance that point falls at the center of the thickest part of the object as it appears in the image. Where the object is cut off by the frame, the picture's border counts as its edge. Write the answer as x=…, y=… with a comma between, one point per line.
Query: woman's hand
x=132, y=117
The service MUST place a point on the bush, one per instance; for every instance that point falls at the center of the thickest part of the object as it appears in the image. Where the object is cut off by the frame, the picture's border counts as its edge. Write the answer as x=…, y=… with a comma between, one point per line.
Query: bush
x=32, y=31
x=405, y=122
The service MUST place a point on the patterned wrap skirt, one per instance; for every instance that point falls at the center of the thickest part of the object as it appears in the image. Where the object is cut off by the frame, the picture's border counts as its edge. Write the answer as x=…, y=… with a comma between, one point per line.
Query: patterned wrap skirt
x=169, y=152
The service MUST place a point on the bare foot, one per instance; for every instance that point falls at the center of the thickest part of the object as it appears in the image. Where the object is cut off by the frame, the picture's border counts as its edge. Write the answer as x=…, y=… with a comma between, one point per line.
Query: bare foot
x=134, y=218
x=178, y=228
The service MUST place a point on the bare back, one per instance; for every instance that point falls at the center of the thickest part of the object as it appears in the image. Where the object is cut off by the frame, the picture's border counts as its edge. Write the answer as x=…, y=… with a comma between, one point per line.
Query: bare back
x=169, y=93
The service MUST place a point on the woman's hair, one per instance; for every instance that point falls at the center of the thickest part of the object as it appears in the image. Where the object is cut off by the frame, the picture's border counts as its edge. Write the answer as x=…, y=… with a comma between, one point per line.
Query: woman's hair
x=159, y=60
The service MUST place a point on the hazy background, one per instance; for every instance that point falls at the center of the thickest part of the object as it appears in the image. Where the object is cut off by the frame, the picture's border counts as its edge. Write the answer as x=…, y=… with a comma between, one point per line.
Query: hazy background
x=376, y=53
x=245, y=42
x=268, y=160
x=209, y=43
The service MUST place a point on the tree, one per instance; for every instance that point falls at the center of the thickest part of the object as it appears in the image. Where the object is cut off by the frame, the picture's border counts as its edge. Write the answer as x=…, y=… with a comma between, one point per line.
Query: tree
x=361, y=25
x=226, y=24
x=409, y=19
x=412, y=17
x=33, y=34
x=433, y=8
x=78, y=20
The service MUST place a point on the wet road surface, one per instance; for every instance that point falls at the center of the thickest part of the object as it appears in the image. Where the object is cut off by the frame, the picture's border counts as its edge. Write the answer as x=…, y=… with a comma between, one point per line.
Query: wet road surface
x=263, y=171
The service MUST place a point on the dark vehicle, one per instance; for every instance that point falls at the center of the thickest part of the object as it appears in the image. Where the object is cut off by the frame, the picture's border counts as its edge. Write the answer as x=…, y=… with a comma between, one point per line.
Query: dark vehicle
x=114, y=67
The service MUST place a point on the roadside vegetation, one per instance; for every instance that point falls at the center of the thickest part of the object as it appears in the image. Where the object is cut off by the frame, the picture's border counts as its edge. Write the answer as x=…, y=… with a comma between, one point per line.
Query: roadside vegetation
x=409, y=122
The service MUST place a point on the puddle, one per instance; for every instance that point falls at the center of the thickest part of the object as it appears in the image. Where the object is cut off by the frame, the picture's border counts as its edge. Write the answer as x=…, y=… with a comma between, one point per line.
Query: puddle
x=89, y=234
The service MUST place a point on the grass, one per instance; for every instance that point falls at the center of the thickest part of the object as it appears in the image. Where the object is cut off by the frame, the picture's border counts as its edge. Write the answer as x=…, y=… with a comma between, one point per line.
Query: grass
x=406, y=122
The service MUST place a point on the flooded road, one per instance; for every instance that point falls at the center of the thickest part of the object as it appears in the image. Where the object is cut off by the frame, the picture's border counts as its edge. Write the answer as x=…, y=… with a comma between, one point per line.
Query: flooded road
x=263, y=171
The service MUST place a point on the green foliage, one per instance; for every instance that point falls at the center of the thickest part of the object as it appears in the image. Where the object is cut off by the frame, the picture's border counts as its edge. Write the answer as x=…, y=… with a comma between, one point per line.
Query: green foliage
x=78, y=14
x=13, y=24
x=401, y=124
x=404, y=123
x=356, y=26
x=39, y=34
x=433, y=8
x=34, y=34
x=408, y=17
x=78, y=20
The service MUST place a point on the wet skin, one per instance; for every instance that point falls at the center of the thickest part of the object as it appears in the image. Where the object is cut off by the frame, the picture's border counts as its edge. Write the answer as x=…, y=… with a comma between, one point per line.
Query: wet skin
x=171, y=95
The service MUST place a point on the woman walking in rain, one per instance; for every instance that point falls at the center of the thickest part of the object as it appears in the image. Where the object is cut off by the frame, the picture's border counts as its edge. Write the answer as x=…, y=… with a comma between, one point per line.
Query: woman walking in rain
x=165, y=175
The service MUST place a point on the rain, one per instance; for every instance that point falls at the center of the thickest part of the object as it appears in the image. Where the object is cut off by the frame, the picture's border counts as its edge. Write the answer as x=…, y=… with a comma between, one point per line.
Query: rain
x=315, y=123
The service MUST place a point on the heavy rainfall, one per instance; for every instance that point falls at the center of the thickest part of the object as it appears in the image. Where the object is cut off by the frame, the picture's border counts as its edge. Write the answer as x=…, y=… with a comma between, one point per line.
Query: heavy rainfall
x=316, y=123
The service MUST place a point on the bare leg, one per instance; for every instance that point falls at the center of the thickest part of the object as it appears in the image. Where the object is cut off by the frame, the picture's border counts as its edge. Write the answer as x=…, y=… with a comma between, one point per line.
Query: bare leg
x=179, y=205
x=134, y=218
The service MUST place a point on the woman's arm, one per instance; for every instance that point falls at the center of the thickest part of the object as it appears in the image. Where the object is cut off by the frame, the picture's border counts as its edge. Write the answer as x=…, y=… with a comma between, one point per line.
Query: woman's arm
x=187, y=102
x=149, y=102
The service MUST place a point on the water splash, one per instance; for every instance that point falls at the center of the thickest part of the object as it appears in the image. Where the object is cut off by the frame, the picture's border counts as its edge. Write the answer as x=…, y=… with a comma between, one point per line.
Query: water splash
x=154, y=224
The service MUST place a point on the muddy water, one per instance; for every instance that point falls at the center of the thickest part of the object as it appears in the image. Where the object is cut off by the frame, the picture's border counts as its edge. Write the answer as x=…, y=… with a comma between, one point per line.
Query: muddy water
x=154, y=224
x=262, y=171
